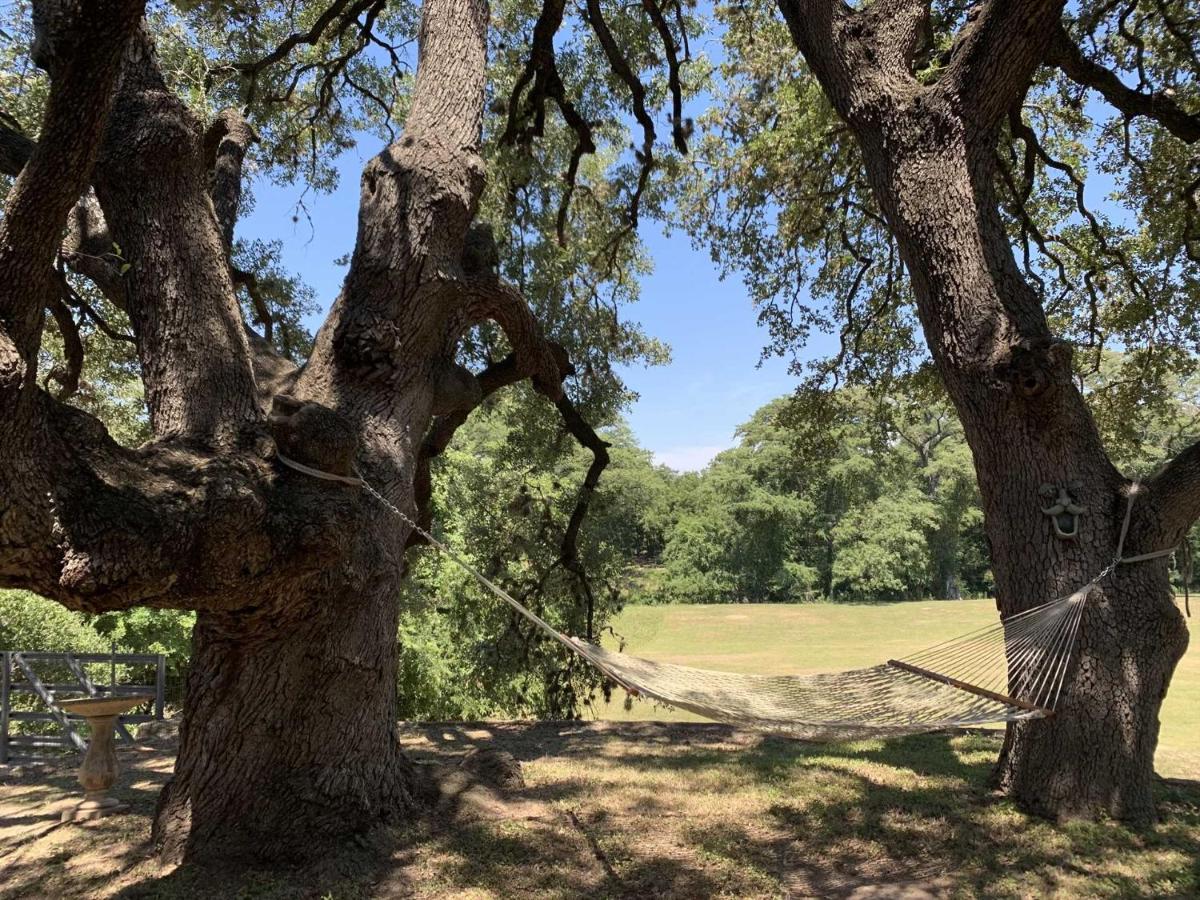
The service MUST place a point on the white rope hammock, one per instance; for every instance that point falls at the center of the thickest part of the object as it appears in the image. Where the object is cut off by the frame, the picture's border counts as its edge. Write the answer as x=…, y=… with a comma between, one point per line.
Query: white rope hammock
x=1012, y=670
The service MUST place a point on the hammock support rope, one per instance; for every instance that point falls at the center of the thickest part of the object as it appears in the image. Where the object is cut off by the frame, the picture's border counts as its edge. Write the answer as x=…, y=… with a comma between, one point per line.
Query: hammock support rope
x=1009, y=671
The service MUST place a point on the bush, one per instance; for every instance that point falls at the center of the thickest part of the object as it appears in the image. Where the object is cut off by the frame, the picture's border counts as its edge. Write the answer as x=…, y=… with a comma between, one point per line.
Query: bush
x=30, y=622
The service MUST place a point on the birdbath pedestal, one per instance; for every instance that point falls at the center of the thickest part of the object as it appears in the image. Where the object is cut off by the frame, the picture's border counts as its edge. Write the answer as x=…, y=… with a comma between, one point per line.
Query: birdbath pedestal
x=98, y=770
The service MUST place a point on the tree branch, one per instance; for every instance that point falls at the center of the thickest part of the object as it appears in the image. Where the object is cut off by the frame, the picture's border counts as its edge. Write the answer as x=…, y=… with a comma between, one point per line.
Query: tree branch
x=154, y=188
x=81, y=47
x=678, y=131
x=494, y=299
x=15, y=147
x=899, y=30
x=87, y=245
x=1159, y=106
x=225, y=145
x=1175, y=493
x=995, y=55
x=67, y=375
x=569, y=547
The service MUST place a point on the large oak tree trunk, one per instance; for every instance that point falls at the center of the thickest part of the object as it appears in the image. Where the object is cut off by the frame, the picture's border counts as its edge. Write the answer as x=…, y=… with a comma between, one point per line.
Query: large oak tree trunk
x=289, y=738
x=1028, y=425
x=930, y=157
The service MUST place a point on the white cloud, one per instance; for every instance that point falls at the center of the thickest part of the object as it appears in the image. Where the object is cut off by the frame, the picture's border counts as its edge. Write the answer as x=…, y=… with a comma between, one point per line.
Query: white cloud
x=687, y=459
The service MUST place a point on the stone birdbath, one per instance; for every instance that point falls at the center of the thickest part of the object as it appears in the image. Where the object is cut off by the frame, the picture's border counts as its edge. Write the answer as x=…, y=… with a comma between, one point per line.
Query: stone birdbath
x=99, y=768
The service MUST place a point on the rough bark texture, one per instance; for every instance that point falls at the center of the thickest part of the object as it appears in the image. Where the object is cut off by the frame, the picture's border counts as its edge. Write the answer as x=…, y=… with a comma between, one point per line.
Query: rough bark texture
x=288, y=739
x=929, y=153
x=153, y=187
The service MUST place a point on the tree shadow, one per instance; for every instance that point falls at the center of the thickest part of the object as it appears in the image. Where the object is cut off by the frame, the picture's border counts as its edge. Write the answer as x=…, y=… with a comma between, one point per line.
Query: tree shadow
x=679, y=811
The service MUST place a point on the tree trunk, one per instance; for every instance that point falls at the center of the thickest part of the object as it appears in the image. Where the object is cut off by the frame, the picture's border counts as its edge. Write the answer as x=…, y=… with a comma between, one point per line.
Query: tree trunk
x=288, y=742
x=1028, y=425
x=1097, y=754
x=289, y=739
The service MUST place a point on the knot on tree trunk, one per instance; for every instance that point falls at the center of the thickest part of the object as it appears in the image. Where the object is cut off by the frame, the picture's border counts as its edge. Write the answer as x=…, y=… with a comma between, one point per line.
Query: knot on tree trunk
x=1033, y=366
x=480, y=254
x=314, y=435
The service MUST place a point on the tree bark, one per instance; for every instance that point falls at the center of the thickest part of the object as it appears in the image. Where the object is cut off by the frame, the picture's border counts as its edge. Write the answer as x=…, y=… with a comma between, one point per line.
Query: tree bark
x=929, y=154
x=289, y=740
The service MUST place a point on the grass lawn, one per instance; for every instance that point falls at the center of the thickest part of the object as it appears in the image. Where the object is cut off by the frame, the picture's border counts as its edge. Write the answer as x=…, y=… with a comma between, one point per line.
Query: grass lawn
x=776, y=639
x=687, y=810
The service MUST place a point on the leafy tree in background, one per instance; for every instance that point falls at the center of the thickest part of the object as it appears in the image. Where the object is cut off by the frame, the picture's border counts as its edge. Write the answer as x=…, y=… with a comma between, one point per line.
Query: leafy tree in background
x=874, y=500
x=506, y=513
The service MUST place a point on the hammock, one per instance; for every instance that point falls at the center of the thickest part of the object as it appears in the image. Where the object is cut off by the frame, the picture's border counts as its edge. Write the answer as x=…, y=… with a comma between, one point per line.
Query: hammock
x=1005, y=672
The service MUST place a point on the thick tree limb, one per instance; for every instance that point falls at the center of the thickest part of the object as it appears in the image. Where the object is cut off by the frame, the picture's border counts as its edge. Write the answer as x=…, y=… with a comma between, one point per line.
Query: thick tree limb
x=996, y=54
x=15, y=147
x=225, y=145
x=1175, y=494
x=82, y=49
x=818, y=31
x=494, y=299
x=87, y=246
x=1159, y=106
x=400, y=311
x=900, y=29
x=153, y=187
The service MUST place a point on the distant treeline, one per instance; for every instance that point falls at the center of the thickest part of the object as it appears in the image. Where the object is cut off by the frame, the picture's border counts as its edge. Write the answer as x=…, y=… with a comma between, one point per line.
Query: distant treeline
x=863, y=501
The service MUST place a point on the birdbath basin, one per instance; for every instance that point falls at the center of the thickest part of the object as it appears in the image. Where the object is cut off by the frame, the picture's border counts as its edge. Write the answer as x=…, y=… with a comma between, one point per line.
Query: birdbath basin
x=98, y=770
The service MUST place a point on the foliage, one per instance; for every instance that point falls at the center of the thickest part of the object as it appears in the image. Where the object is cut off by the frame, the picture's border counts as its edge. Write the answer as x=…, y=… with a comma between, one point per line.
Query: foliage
x=29, y=622
x=164, y=631
x=869, y=500
x=1101, y=209
x=464, y=653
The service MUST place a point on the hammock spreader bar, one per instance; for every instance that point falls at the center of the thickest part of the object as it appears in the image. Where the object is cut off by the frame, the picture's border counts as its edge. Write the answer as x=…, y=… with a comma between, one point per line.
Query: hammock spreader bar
x=970, y=688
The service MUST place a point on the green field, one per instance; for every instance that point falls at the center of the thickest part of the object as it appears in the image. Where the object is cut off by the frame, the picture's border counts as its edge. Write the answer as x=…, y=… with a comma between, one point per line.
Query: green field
x=775, y=639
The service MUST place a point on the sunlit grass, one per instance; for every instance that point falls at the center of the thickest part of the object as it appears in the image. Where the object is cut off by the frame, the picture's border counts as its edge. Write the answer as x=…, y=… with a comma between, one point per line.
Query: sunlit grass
x=781, y=639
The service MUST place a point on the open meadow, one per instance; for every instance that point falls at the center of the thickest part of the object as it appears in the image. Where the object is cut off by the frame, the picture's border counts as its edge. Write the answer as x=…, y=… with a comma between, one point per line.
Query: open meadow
x=779, y=639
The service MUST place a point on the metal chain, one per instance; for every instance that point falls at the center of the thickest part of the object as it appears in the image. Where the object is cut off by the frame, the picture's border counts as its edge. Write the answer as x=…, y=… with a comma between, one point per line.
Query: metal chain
x=367, y=486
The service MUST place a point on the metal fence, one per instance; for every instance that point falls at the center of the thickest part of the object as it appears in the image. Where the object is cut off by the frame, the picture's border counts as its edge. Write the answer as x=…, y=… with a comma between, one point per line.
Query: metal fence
x=32, y=725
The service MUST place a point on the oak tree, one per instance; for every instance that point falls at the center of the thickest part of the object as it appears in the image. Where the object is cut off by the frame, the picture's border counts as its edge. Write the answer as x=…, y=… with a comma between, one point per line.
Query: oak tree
x=123, y=211
x=926, y=181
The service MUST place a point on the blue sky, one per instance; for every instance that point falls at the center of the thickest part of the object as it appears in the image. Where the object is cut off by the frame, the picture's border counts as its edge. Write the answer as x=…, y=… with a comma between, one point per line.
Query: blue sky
x=686, y=412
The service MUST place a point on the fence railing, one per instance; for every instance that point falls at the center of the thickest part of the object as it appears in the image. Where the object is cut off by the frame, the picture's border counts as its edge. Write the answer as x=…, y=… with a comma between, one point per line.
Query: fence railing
x=42, y=677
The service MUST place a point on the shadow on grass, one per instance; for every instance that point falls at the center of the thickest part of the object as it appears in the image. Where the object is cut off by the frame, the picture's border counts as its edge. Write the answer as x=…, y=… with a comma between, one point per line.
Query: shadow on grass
x=689, y=811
